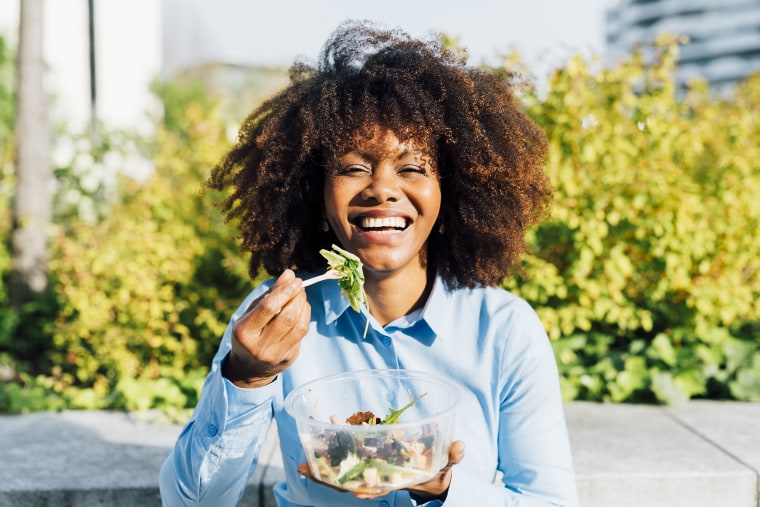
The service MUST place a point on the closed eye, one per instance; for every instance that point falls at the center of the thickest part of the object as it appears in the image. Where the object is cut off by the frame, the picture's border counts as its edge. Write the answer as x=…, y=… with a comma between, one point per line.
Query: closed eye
x=412, y=170
x=353, y=170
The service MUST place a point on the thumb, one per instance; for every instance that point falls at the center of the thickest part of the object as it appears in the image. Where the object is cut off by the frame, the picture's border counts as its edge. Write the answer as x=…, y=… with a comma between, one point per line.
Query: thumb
x=456, y=452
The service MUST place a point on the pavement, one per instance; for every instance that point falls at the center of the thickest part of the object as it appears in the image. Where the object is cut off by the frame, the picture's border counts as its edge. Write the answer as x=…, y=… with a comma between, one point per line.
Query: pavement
x=702, y=453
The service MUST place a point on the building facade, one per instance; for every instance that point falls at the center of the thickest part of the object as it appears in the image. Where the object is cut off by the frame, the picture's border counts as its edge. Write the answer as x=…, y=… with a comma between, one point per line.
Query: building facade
x=723, y=35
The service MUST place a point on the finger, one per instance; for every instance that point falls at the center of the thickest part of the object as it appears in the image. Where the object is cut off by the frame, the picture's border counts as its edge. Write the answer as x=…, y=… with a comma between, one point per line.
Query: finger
x=440, y=483
x=273, y=302
x=456, y=455
x=456, y=452
x=284, y=277
x=371, y=495
x=285, y=282
x=288, y=328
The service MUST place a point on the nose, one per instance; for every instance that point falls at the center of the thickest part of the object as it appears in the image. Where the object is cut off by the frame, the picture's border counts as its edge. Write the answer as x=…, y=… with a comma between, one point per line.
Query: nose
x=383, y=186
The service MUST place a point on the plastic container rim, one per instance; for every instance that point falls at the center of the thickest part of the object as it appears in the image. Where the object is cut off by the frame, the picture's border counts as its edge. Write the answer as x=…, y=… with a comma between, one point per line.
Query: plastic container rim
x=388, y=373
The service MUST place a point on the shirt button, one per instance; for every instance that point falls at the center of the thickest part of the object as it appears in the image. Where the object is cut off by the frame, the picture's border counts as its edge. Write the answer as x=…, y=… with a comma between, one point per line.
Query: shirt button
x=386, y=342
x=211, y=430
x=384, y=504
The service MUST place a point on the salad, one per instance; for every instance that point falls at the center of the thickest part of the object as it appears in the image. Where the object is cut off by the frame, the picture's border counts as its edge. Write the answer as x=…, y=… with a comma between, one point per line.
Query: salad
x=376, y=460
x=347, y=269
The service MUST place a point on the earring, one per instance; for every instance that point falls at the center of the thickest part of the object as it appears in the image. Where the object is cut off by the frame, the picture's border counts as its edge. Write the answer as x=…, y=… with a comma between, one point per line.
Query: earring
x=441, y=228
x=325, y=225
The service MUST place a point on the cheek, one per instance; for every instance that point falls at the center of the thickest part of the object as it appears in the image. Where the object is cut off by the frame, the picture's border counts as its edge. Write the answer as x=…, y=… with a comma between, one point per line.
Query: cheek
x=336, y=201
x=339, y=194
x=431, y=199
x=330, y=198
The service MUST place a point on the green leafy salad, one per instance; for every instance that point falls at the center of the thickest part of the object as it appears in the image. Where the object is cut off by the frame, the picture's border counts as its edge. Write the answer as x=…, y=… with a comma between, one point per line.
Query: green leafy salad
x=347, y=267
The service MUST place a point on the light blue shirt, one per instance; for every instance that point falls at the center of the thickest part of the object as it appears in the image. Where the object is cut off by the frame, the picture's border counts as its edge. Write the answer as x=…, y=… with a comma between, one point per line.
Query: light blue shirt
x=488, y=341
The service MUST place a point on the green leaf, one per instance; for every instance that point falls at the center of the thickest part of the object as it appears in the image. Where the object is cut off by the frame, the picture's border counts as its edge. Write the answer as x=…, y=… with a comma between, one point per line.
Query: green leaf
x=393, y=416
x=661, y=348
x=666, y=389
x=747, y=385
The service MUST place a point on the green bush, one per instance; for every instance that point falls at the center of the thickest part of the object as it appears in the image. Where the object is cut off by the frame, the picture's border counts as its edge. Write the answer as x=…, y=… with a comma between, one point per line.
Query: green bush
x=648, y=274
x=143, y=294
x=146, y=293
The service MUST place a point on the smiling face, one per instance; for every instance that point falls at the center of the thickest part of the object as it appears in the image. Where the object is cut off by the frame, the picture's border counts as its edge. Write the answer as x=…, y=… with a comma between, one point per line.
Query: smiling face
x=382, y=200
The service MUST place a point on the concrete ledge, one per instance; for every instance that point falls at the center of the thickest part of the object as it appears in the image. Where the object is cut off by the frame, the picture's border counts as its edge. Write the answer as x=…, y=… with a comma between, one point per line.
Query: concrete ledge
x=699, y=454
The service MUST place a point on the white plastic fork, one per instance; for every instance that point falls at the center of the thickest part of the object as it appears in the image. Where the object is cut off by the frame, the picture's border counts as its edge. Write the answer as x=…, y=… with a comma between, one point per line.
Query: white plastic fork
x=330, y=274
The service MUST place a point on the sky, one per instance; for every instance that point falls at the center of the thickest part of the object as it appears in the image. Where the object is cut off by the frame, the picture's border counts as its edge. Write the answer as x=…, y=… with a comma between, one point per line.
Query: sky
x=255, y=32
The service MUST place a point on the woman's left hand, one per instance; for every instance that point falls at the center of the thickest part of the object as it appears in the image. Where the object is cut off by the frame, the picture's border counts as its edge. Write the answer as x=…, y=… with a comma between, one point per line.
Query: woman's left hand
x=437, y=487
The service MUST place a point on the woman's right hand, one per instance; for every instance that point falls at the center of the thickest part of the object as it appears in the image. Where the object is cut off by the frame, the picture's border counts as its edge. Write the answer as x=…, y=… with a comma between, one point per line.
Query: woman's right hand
x=266, y=339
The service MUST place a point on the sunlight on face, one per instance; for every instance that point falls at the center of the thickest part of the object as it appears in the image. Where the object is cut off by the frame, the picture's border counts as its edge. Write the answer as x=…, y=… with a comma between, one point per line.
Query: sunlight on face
x=382, y=200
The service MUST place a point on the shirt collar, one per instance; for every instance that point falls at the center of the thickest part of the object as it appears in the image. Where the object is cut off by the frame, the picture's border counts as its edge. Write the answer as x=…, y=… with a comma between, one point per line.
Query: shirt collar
x=434, y=314
x=335, y=303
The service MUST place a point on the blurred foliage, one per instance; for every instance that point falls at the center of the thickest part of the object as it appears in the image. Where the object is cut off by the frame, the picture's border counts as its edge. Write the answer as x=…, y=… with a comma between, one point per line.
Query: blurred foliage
x=146, y=293
x=646, y=276
x=8, y=319
x=7, y=102
x=142, y=288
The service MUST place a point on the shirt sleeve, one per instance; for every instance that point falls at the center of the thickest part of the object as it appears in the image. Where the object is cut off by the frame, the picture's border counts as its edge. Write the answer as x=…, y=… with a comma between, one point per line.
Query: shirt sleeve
x=535, y=461
x=218, y=449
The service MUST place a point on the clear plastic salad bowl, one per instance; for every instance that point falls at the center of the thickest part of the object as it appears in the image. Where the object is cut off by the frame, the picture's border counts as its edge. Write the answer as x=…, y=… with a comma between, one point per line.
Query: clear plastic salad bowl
x=376, y=456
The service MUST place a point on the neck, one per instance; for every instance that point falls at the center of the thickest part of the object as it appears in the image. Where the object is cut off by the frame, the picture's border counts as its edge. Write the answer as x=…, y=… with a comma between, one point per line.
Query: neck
x=397, y=294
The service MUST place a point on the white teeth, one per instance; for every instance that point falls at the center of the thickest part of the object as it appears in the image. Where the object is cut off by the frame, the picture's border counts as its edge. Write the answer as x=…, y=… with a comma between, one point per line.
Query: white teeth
x=376, y=223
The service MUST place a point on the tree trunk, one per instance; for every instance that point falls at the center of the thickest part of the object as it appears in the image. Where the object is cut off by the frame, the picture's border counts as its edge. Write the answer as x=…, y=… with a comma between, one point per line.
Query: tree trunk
x=32, y=208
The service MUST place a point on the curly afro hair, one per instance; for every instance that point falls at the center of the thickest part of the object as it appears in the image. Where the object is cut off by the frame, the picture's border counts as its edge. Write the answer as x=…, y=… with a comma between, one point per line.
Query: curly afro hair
x=489, y=154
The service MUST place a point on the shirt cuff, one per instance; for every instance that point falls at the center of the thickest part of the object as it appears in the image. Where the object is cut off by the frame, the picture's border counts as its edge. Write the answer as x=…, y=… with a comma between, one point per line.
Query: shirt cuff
x=418, y=501
x=241, y=401
x=467, y=488
x=232, y=418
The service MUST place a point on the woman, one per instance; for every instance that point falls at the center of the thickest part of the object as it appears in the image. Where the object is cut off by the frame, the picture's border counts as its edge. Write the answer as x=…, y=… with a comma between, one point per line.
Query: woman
x=430, y=173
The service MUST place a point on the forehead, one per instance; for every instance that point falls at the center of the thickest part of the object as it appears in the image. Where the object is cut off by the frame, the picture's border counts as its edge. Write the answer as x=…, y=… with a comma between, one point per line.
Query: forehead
x=380, y=141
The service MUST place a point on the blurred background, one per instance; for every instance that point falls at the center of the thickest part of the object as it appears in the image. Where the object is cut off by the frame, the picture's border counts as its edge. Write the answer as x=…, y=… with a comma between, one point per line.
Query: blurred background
x=134, y=42
x=118, y=276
